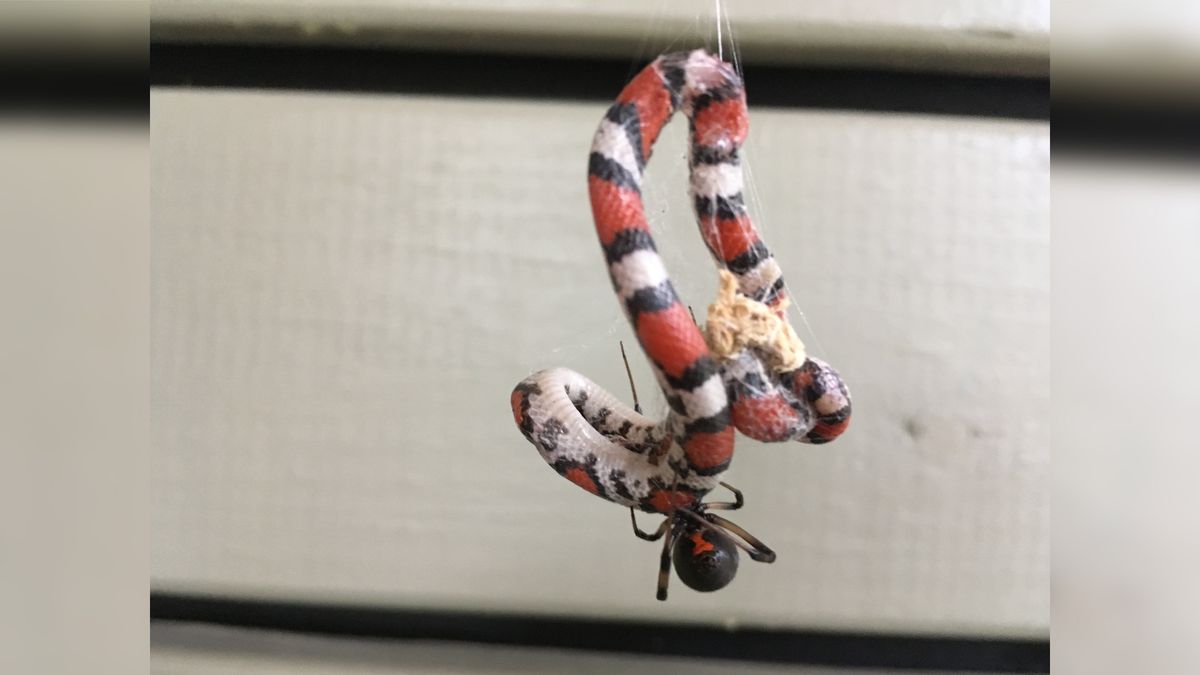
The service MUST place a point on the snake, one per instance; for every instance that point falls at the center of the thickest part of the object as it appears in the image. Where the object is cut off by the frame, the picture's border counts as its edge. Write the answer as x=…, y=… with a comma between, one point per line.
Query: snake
x=588, y=435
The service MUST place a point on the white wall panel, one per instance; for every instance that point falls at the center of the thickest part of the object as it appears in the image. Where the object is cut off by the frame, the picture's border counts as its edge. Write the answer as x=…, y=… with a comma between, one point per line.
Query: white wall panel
x=345, y=289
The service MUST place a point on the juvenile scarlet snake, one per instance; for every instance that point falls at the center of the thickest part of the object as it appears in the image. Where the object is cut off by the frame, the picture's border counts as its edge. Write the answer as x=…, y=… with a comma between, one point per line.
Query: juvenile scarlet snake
x=585, y=433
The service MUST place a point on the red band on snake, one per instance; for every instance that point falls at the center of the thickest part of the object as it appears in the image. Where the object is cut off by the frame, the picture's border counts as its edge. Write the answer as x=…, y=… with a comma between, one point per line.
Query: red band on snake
x=584, y=432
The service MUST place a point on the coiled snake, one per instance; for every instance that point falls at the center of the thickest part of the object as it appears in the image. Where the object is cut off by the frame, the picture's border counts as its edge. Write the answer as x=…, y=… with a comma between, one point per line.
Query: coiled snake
x=585, y=433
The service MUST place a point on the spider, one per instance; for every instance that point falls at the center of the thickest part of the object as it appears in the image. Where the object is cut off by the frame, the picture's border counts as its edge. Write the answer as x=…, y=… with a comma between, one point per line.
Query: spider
x=703, y=545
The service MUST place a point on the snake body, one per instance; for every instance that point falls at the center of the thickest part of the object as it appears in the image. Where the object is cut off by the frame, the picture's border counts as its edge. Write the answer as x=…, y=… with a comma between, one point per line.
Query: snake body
x=585, y=433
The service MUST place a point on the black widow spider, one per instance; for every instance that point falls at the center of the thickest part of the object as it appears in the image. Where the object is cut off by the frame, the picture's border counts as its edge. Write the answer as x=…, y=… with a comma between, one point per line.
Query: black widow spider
x=703, y=545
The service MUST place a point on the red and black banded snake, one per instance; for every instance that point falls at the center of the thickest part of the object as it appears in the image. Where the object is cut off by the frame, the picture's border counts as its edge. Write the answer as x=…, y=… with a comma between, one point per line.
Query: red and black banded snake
x=585, y=433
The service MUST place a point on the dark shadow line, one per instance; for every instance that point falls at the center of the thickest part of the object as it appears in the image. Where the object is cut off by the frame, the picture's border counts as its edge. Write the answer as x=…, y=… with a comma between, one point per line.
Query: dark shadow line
x=574, y=78
x=86, y=85
x=858, y=650
x=1106, y=128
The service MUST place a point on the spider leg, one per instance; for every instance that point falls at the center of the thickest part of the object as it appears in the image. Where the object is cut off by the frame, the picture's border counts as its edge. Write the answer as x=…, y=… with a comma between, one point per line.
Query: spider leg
x=748, y=543
x=648, y=536
x=759, y=550
x=737, y=503
x=637, y=407
x=664, y=562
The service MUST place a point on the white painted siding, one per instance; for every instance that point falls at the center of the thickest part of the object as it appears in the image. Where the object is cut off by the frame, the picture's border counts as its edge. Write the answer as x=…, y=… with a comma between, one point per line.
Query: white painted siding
x=346, y=287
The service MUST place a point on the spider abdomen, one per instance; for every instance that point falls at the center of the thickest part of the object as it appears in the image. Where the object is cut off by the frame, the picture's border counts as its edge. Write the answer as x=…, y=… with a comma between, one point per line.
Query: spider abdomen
x=705, y=560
